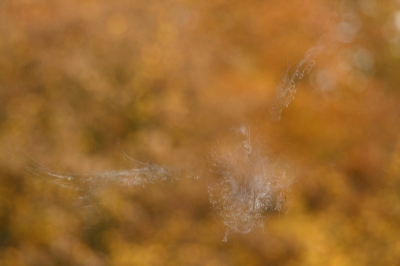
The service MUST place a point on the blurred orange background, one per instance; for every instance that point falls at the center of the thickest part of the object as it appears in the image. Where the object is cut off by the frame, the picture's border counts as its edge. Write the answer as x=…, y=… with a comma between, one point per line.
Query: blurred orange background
x=81, y=82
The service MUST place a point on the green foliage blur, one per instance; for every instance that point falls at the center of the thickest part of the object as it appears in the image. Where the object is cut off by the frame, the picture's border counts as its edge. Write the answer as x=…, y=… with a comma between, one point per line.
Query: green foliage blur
x=81, y=82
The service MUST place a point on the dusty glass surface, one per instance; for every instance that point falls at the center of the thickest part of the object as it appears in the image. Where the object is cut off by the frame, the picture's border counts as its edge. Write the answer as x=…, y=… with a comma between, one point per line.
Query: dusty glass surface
x=199, y=132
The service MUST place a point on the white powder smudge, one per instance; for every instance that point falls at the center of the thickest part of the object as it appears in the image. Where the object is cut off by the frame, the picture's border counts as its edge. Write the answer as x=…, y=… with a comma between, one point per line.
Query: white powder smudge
x=89, y=185
x=287, y=88
x=251, y=185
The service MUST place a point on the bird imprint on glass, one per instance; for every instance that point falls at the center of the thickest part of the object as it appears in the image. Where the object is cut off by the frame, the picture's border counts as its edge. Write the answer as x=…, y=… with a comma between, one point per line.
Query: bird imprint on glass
x=251, y=185
x=89, y=186
x=287, y=88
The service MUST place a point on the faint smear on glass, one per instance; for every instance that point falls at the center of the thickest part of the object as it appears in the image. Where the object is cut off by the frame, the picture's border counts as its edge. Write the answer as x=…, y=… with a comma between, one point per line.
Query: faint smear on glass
x=287, y=88
x=88, y=186
x=251, y=185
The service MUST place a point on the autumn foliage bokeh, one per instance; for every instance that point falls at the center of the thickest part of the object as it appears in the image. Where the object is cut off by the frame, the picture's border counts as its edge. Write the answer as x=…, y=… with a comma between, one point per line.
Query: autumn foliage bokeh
x=82, y=82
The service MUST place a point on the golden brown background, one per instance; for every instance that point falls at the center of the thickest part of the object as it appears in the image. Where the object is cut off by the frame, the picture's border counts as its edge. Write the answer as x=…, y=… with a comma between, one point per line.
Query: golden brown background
x=80, y=81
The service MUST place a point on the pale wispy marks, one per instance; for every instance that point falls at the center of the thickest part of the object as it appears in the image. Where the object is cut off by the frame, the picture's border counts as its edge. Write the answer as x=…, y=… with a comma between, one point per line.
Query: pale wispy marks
x=88, y=186
x=251, y=185
x=288, y=86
